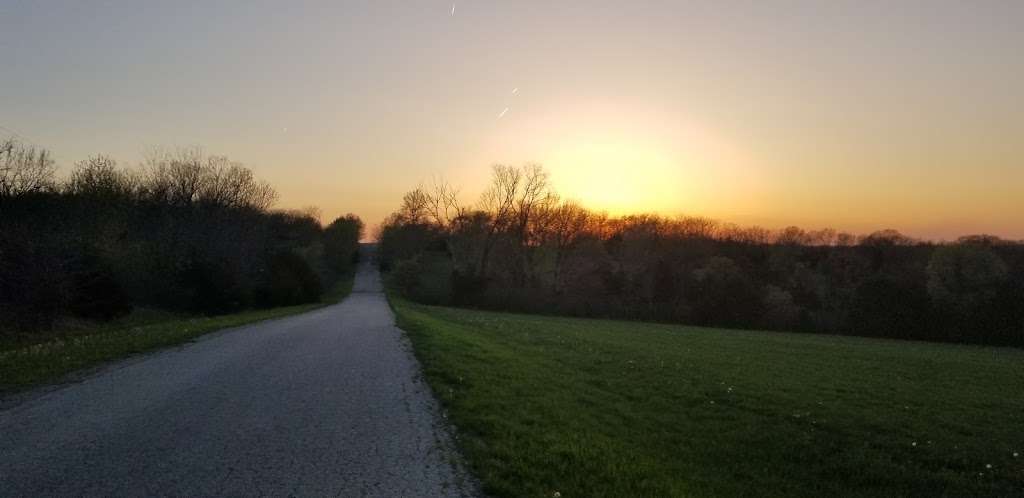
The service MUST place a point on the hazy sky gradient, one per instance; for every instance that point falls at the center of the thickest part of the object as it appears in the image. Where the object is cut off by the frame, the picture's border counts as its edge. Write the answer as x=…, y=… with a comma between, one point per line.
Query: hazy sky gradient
x=857, y=115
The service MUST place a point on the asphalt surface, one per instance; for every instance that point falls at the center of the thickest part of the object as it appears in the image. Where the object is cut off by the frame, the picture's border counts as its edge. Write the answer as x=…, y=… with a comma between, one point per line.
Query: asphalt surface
x=327, y=403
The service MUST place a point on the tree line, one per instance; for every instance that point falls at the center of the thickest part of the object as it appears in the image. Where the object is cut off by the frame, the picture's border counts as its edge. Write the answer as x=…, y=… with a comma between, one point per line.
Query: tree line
x=523, y=248
x=184, y=231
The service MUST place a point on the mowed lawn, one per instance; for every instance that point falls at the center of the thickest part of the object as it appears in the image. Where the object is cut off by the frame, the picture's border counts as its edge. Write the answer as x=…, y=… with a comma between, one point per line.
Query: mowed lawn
x=587, y=408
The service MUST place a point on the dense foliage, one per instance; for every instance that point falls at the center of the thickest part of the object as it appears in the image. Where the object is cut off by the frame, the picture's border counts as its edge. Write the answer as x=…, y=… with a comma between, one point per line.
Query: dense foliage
x=186, y=231
x=522, y=248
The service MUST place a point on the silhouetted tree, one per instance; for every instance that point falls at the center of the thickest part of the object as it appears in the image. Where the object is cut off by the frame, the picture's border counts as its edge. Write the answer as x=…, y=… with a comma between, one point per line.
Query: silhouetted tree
x=341, y=242
x=186, y=231
x=521, y=248
x=24, y=169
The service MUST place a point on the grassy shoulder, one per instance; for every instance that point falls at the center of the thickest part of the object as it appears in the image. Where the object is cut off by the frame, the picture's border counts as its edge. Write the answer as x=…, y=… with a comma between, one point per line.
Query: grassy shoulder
x=606, y=408
x=25, y=365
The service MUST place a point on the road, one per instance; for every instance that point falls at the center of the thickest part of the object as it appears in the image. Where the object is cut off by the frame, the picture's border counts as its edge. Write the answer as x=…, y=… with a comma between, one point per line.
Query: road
x=327, y=403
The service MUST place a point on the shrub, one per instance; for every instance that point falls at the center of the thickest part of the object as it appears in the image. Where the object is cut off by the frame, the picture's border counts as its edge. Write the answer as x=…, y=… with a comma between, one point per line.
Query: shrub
x=406, y=276
x=780, y=313
x=290, y=280
x=214, y=288
x=883, y=306
x=965, y=277
x=31, y=284
x=468, y=289
x=95, y=293
x=434, y=285
x=723, y=294
x=341, y=242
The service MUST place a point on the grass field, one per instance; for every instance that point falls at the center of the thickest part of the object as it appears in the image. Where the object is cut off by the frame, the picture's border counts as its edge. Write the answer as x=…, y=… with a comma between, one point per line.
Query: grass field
x=64, y=351
x=592, y=408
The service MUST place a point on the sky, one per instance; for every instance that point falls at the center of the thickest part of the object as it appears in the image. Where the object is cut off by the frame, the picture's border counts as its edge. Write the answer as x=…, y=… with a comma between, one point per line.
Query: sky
x=857, y=115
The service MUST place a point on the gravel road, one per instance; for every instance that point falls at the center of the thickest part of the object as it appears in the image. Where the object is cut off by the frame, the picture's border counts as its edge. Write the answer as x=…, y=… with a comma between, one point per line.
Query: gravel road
x=327, y=403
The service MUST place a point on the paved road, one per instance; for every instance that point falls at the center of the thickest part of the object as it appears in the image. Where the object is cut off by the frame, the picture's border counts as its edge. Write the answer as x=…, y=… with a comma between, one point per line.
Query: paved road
x=328, y=403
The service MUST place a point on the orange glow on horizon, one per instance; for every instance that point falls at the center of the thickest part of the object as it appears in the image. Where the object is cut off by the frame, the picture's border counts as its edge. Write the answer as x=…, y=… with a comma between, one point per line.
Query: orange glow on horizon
x=603, y=176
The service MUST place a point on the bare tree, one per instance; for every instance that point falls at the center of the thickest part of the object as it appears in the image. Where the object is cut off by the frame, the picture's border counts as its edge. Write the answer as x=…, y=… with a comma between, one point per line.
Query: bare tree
x=188, y=176
x=443, y=204
x=500, y=197
x=844, y=239
x=569, y=222
x=498, y=201
x=792, y=236
x=174, y=178
x=415, y=207
x=535, y=199
x=823, y=237
x=887, y=238
x=99, y=177
x=515, y=200
x=230, y=184
x=24, y=169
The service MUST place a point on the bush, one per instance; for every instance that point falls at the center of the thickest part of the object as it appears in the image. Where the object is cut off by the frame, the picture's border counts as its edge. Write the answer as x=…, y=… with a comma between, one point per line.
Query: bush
x=722, y=294
x=290, y=281
x=435, y=279
x=468, y=289
x=886, y=307
x=341, y=242
x=213, y=287
x=965, y=278
x=406, y=276
x=780, y=313
x=95, y=294
x=31, y=284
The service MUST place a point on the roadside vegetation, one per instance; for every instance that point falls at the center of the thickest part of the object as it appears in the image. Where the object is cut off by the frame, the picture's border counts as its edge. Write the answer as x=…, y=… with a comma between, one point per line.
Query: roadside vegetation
x=88, y=345
x=549, y=406
x=523, y=248
x=106, y=260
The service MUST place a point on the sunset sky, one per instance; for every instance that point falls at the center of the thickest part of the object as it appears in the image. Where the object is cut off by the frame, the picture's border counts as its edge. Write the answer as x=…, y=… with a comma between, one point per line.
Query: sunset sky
x=857, y=115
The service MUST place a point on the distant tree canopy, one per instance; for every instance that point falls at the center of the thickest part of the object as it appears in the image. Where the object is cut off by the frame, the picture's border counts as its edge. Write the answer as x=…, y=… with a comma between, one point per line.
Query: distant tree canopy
x=341, y=242
x=185, y=231
x=521, y=247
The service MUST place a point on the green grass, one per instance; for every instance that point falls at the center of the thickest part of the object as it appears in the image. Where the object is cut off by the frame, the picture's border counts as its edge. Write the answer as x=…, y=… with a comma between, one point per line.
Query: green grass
x=606, y=408
x=74, y=348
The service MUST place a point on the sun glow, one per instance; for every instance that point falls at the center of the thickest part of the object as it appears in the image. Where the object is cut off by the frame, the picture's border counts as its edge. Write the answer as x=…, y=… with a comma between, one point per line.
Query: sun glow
x=623, y=177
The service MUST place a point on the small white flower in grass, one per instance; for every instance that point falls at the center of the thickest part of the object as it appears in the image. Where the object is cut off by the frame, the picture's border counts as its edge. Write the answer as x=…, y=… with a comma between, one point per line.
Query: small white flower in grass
x=556, y=494
x=914, y=443
x=1015, y=454
x=988, y=465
